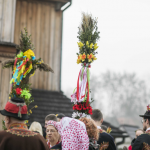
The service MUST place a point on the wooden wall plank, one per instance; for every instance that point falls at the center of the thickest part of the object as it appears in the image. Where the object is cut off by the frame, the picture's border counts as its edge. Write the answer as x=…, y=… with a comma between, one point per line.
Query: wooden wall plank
x=29, y=17
x=1, y=117
x=29, y=25
x=13, y=20
x=17, y=22
x=57, y=50
x=7, y=19
x=1, y=17
x=1, y=59
x=42, y=45
x=4, y=87
x=51, y=51
x=7, y=23
x=23, y=16
x=38, y=41
x=33, y=33
x=46, y=41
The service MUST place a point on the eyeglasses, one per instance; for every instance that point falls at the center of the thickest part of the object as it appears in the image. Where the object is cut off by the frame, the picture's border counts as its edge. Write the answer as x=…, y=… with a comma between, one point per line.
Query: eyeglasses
x=143, y=120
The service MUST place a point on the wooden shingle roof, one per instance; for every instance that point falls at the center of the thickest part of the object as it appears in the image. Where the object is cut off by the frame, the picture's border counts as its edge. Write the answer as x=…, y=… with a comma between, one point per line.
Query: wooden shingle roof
x=49, y=102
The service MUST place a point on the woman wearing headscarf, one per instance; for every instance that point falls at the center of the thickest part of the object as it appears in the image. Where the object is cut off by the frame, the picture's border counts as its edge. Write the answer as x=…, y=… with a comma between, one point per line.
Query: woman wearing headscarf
x=73, y=135
x=52, y=133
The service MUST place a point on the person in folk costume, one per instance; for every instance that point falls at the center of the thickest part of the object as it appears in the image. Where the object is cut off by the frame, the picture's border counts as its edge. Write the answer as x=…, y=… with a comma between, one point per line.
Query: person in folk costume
x=17, y=136
x=143, y=141
x=104, y=138
x=138, y=132
x=73, y=135
x=53, y=137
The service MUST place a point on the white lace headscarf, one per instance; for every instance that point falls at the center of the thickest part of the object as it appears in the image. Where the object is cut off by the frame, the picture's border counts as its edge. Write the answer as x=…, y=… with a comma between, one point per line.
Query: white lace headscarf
x=73, y=134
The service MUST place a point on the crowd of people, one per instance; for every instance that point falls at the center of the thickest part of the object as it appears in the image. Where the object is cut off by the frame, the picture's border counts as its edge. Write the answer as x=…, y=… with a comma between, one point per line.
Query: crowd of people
x=62, y=132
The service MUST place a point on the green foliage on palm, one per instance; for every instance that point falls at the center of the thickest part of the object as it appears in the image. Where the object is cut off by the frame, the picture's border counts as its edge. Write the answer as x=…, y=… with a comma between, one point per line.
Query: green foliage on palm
x=25, y=42
x=88, y=30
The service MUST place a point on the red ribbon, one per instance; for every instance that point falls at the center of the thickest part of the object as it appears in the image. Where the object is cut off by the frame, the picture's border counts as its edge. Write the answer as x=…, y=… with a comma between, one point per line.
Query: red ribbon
x=23, y=64
x=15, y=63
x=78, y=86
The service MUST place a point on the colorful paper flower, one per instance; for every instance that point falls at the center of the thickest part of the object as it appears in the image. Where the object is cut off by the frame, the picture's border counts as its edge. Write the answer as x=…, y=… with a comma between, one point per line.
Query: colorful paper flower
x=87, y=44
x=83, y=57
x=29, y=53
x=36, y=106
x=20, y=55
x=148, y=108
x=80, y=44
x=89, y=57
x=25, y=94
x=30, y=111
x=95, y=46
x=94, y=58
x=18, y=91
x=108, y=130
x=91, y=45
x=79, y=59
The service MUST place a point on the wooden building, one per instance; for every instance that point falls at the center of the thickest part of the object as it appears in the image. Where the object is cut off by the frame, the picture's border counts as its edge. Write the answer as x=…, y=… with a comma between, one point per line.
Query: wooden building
x=43, y=20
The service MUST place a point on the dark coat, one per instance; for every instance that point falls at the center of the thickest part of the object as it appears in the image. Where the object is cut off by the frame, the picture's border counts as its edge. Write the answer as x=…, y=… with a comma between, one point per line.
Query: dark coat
x=58, y=147
x=105, y=137
x=33, y=141
x=138, y=144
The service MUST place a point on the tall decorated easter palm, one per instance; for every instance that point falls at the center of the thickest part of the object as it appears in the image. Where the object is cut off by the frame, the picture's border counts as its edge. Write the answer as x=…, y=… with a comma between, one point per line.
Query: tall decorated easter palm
x=24, y=66
x=88, y=36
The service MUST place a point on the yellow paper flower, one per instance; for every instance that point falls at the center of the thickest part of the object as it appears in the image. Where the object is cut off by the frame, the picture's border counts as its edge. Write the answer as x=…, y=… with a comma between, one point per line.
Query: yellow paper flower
x=79, y=59
x=89, y=57
x=91, y=45
x=95, y=46
x=36, y=106
x=26, y=121
x=87, y=43
x=83, y=57
x=29, y=53
x=94, y=58
x=30, y=111
x=109, y=130
x=80, y=44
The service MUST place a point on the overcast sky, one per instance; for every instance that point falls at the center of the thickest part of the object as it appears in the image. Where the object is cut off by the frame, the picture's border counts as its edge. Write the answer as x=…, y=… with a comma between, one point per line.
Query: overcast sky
x=124, y=44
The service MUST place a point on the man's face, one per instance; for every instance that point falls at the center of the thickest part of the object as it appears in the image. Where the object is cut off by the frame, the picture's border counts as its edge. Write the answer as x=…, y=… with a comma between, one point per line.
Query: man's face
x=138, y=132
x=144, y=124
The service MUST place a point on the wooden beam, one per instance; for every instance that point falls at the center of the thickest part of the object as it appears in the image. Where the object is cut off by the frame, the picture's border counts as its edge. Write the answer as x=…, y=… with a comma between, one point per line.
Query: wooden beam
x=62, y=1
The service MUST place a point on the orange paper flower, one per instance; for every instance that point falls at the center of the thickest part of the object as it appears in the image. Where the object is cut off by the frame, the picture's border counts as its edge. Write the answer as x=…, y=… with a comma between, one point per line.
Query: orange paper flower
x=90, y=57
x=83, y=57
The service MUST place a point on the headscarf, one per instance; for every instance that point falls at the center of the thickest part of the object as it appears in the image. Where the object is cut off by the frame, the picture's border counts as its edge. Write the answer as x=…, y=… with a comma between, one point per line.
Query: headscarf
x=73, y=134
x=54, y=124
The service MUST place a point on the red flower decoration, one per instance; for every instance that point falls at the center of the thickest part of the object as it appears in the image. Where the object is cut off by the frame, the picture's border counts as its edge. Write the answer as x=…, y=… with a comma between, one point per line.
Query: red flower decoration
x=85, y=106
x=18, y=91
x=90, y=111
x=80, y=107
x=74, y=107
